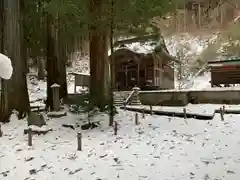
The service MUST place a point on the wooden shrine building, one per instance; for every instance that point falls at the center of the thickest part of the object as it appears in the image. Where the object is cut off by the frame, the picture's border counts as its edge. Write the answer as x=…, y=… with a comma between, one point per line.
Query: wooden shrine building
x=226, y=72
x=149, y=71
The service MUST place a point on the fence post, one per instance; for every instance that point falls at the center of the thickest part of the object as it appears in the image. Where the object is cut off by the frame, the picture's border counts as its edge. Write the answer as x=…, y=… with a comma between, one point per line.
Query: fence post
x=1, y=133
x=151, y=111
x=115, y=128
x=222, y=114
x=79, y=141
x=143, y=113
x=223, y=110
x=136, y=119
x=29, y=137
x=185, y=115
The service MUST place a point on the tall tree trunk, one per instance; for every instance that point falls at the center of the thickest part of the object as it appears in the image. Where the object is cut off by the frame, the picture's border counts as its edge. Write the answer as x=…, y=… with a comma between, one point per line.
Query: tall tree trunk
x=23, y=36
x=56, y=60
x=14, y=91
x=2, y=21
x=111, y=102
x=62, y=55
x=5, y=112
x=98, y=46
x=41, y=68
x=52, y=69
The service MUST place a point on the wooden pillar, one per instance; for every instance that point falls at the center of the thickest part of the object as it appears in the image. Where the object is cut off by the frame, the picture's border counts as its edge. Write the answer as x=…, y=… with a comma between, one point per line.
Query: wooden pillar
x=138, y=75
x=75, y=85
x=56, y=100
x=126, y=77
x=185, y=18
x=199, y=16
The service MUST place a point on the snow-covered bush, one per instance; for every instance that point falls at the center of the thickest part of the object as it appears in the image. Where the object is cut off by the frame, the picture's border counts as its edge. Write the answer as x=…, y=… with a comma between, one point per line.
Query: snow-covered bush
x=5, y=67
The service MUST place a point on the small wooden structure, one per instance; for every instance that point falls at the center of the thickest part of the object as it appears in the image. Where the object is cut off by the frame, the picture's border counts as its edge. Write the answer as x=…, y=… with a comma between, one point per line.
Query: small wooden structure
x=226, y=72
x=147, y=71
x=81, y=79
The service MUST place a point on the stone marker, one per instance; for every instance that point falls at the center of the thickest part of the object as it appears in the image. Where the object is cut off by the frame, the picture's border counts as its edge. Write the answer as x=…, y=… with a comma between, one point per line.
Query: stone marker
x=56, y=100
x=135, y=98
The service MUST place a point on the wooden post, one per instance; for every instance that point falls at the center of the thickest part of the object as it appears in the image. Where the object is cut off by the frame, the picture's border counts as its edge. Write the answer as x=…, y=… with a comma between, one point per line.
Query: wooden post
x=124, y=103
x=136, y=119
x=115, y=128
x=1, y=131
x=143, y=113
x=151, y=111
x=29, y=137
x=223, y=110
x=221, y=113
x=79, y=141
x=56, y=100
x=138, y=75
x=75, y=84
x=184, y=113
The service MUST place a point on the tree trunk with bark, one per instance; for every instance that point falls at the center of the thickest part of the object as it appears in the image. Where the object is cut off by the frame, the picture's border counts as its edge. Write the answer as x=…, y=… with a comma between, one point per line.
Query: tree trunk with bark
x=62, y=55
x=56, y=60
x=52, y=70
x=14, y=93
x=98, y=46
x=41, y=68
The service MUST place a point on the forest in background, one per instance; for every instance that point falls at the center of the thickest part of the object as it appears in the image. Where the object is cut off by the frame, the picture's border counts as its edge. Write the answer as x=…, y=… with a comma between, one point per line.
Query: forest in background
x=49, y=31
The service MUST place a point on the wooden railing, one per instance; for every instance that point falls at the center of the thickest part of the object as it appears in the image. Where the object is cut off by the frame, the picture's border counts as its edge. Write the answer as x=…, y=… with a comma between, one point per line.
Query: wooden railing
x=127, y=101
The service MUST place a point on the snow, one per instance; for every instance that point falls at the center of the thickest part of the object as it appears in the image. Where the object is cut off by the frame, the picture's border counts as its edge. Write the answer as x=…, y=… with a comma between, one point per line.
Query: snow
x=191, y=45
x=55, y=85
x=138, y=47
x=201, y=82
x=159, y=148
x=38, y=129
x=195, y=109
x=5, y=67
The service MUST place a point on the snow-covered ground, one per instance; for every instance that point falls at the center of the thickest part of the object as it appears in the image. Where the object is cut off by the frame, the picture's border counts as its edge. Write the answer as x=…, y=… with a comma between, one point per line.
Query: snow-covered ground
x=159, y=148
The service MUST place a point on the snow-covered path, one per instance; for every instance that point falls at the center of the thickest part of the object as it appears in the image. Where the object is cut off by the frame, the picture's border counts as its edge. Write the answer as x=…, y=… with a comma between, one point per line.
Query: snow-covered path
x=159, y=148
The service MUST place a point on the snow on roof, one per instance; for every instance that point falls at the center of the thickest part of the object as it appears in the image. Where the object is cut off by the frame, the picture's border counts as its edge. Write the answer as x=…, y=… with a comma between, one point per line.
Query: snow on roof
x=138, y=47
x=6, y=68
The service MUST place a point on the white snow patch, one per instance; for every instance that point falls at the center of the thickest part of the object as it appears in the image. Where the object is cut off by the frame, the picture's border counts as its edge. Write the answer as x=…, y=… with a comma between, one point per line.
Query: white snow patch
x=159, y=148
x=6, y=68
